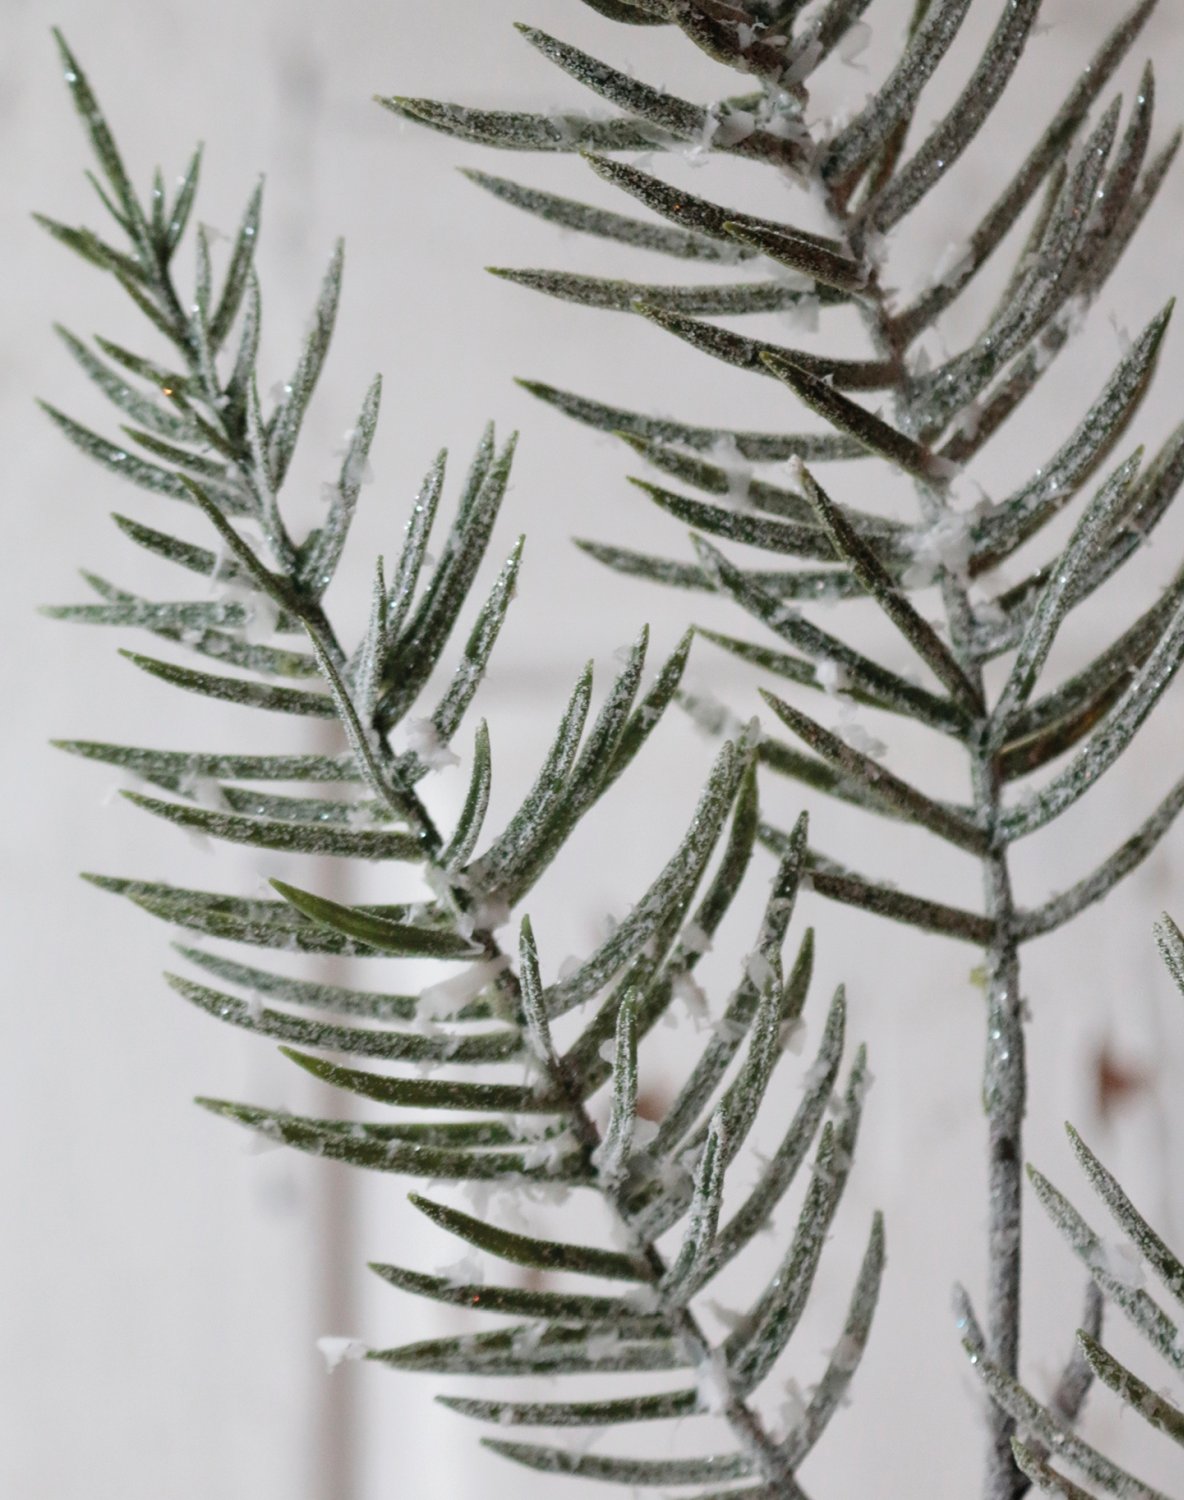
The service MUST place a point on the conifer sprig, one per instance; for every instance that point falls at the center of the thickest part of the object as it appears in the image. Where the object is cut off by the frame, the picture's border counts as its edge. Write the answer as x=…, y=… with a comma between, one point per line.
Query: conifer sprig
x=493, y=1071
x=1046, y=1440
x=1084, y=188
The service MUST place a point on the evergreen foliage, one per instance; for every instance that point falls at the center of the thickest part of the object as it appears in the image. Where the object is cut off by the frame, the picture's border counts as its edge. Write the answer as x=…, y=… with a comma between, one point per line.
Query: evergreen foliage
x=509, y=1060
x=1116, y=1276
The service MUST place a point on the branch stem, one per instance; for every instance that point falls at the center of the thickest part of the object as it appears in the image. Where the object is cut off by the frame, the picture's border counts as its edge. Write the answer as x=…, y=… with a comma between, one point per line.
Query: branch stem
x=767, y=1454
x=1004, y=1074
x=303, y=602
x=1004, y=1093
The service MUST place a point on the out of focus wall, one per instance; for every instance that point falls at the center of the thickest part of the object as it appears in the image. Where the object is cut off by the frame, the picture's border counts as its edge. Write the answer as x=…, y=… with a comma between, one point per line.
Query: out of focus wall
x=163, y=1284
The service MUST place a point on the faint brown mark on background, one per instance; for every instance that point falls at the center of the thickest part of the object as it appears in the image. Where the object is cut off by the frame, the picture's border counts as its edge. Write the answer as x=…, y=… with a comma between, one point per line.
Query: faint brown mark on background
x=1116, y=1083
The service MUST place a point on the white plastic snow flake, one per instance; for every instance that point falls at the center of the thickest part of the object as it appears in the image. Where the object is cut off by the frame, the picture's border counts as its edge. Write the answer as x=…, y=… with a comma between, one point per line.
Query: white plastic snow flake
x=855, y=42
x=621, y=1236
x=362, y=815
x=692, y=994
x=779, y=906
x=266, y=1137
x=534, y=1075
x=1019, y=796
x=603, y=1346
x=791, y=1414
x=953, y=266
x=726, y=453
x=969, y=420
x=467, y=1271
x=847, y=1353
x=262, y=620
x=759, y=970
x=358, y=470
x=860, y=739
x=735, y=125
x=730, y=1318
x=695, y=938
x=697, y=150
x=792, y=1037
x=671, y=1176
x=337, y=1350
x=545, y=1194
x=947, y=543
x=480, y=1195
x=445, y=884
x=261, y=612
x=447, y=997
x=711, y=1380
x=527, y=1340
x=606, y=925
x=510, y=1212
x=875, y=250
x=424, y=739
x=988, y=612
x=809, y=59
x=204, y=790
x=803, y=316
x=1122, y=334
x=814, y=1074
x=546, y=1153
x=643, y=1298
x=490, y=913
x=832, y=677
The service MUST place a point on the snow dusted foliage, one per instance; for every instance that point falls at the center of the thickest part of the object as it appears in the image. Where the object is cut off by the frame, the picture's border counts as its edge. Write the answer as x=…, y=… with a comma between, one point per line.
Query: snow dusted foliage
x=498, y=1071
x=767, y=533
x=1124, y=1273
x=493, y=1069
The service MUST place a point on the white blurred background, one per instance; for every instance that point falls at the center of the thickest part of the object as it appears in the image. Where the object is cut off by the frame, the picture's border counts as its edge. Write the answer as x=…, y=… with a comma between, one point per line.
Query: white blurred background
x=163, y=1283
